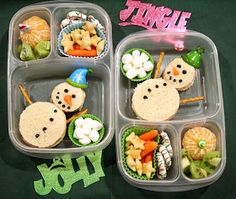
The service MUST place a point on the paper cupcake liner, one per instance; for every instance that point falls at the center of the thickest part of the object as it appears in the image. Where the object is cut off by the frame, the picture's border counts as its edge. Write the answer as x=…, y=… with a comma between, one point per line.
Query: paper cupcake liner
x=136, y=79
x=71, y=129
x=68, y=29
x=138, y=131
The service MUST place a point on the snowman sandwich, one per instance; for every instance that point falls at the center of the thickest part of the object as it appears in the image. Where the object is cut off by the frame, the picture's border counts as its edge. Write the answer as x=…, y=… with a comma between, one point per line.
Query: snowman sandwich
x=156, y=99
x=69, y=96
x=42, y=124
x=181, y=71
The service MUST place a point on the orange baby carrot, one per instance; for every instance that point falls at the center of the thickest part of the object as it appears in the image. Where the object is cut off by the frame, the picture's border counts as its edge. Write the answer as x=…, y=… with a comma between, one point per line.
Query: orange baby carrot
x=149, y=146
x=148, y=157
x=149, y=135
x=83, y=53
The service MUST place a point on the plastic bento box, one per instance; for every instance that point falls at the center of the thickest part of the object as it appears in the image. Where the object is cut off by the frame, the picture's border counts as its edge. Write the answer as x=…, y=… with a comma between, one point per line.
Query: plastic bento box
x=208, y=113
x=40, y=76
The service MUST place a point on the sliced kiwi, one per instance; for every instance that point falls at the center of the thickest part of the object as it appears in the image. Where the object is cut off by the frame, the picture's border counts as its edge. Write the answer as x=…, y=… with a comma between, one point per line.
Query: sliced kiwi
x=42, y=49
x=197, y=172
x=26, y=53
x=210, y=155
x=185, y=165
x=214, y=161
x=207, y=167
x=197, y=163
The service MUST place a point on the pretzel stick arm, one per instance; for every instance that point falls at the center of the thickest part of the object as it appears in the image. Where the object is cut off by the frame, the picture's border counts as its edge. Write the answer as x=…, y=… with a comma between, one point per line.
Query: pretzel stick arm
x=158, y=66
x=77, y=114
x=25, y=94
x=189, y=100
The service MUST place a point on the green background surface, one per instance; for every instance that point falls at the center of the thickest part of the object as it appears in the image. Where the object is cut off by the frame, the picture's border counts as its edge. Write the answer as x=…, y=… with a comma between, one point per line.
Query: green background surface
x=214, y=18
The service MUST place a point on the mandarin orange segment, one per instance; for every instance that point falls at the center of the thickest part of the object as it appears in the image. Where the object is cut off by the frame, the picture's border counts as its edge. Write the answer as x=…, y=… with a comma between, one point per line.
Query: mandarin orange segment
x=198, y=141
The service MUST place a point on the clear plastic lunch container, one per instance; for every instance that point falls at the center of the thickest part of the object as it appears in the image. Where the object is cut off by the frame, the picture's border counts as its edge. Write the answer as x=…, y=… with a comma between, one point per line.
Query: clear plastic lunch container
x=39, y=77
x=208, y=113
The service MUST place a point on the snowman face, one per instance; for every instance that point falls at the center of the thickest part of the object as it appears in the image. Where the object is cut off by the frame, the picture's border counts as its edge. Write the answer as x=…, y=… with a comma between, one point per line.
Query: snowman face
x=180, y=74
x=68, y=98
x=155, y=99
x=42, y=124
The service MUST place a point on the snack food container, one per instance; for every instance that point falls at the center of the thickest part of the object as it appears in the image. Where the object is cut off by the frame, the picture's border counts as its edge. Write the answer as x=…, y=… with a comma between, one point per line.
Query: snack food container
x=39, y=77
x=208, y=113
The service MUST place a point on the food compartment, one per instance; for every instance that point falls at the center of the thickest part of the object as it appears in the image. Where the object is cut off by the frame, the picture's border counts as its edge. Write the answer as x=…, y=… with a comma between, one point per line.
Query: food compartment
x=202, y=141
x=172, y=172
x=82, y=14
x=43, y=50
x=39, y=81
x=207, y=79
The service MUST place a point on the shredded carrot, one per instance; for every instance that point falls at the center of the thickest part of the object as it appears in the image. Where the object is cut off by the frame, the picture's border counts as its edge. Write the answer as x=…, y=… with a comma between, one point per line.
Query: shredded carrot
x=149, y=146
x=149, y=135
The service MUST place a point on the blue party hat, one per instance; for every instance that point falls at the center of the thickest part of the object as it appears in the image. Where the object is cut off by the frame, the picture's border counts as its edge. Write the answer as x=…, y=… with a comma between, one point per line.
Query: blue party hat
x=78, y=77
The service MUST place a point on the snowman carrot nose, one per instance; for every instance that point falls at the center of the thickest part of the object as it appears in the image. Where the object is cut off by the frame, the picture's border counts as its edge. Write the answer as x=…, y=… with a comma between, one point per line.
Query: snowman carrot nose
x=175, y=71
x=68, y=99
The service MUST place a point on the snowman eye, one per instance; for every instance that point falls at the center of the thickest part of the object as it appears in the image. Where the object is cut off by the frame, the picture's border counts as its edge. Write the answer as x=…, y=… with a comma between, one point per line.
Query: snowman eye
x=37, y=135
x=58, y=93
x=178, y=66
x=145, y=97
x=184, y=72
x=55, y=111
x=66, y=90
x=165, y=84
x=73, y=96
x=168, y=72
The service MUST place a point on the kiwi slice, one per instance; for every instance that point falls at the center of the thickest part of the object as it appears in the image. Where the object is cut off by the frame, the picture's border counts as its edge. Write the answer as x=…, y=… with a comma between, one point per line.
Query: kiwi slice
x=26, y=53
x=210, y=155
x=214, y=161
x=42, y=49
x=185, y=165
x=197, y=172
x=197, y=163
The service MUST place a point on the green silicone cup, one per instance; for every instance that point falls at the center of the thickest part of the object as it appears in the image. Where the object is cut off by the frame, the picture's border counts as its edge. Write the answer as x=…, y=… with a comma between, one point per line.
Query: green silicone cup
x=138, y=131
x=71, y=129
x=148, y=74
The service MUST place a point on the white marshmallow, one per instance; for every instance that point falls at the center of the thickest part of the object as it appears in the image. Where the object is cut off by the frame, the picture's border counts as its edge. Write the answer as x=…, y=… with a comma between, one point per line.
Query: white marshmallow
x=137, y=62
x=96, y=125
x=85, y=141
x=127, y=58
x=141, y=73
x=87, y=129
x=132, y=73
x=79, y=122
x=148, y=66
x=144, y=57
x=136, y=54
x=127, y=67
x=80, y=133
x=94, y=136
